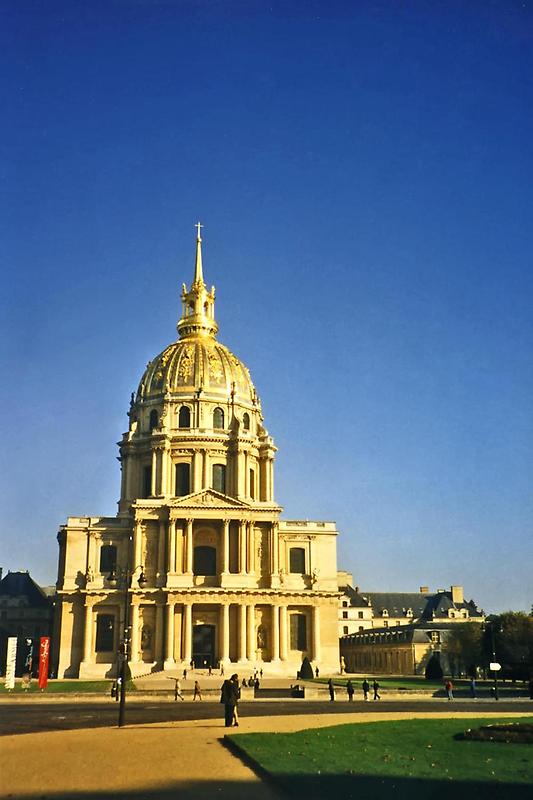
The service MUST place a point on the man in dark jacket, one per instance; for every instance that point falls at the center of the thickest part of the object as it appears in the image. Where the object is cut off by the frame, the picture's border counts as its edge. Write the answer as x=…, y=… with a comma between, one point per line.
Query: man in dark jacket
x=229, y=695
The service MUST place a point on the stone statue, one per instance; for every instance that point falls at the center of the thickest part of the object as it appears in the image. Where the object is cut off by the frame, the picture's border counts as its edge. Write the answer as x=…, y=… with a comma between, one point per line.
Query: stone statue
x=261, y=637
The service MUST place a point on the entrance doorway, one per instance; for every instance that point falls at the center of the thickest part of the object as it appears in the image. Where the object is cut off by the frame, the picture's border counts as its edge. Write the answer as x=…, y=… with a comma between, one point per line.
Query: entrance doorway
x=203, y=646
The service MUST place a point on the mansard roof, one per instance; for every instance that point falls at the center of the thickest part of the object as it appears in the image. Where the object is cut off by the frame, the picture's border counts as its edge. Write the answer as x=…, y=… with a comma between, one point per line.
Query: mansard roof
x=21, y=585
x=424, y=605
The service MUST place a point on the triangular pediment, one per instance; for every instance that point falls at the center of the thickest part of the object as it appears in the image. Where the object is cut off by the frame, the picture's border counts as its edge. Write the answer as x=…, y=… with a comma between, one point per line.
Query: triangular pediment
x=209, y=498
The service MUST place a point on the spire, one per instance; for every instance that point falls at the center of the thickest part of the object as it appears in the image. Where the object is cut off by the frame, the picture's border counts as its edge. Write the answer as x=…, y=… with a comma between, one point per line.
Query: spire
x=198, y=315
x=198, y=272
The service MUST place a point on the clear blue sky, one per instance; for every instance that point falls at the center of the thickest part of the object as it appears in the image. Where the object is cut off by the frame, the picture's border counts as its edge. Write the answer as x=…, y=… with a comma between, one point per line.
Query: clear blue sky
x=364, y=174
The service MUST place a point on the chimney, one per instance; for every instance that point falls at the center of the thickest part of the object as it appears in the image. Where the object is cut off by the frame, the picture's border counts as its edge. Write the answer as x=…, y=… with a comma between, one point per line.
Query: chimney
x=457, y=595
x=424, y=590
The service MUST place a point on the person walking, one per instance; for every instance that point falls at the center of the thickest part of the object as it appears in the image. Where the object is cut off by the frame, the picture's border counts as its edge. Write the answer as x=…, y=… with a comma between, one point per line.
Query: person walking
x=375, y=686
x=366, y=689
x=197, y=691
x=449, y=689
x=473, y=694
x=331, y=689
x=350, y=690
x=177, y=689
x=317, y=672
x=229, y=695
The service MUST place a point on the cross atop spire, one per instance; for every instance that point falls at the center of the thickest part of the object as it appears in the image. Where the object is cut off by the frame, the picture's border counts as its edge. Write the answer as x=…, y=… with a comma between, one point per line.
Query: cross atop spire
x=198, y=271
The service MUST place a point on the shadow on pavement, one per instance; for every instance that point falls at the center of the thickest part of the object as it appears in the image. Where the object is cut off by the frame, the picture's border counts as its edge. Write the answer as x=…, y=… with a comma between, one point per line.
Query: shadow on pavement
x=359, y=787
x=186, y=790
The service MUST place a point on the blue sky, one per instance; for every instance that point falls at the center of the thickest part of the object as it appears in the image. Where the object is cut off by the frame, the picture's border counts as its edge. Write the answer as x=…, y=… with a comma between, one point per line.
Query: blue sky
x=364, y=172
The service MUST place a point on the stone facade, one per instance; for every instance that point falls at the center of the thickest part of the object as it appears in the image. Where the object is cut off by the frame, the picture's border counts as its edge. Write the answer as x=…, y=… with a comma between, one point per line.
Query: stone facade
x=210, y=571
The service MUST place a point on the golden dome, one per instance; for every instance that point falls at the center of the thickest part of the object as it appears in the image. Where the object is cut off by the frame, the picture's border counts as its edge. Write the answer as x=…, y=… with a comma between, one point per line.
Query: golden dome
x=194, y=363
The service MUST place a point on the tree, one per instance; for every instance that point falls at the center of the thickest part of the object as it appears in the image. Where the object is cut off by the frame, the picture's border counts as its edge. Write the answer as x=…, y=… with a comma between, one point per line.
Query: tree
x=434, y=669
x=463, y=646
x=306, y=670
x=510, y=637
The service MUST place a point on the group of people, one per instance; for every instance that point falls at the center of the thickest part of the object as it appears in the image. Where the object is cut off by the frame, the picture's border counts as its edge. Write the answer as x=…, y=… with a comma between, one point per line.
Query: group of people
x=350, y=690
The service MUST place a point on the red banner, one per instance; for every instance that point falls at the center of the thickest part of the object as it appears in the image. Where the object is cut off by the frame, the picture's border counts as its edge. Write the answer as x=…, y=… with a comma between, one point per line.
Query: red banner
x=44, y=658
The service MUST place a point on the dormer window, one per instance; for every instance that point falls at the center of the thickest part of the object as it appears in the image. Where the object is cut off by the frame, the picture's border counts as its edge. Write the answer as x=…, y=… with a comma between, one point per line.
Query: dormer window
x=384, y=612
x=218, y=419
x=409, y=612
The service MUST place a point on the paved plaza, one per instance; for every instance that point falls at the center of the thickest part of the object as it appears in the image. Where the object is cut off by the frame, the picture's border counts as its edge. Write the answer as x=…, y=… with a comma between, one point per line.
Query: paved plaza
x=156, y=761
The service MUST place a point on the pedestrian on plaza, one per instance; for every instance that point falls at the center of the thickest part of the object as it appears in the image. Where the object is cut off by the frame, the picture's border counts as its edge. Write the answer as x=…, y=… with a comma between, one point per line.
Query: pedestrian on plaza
x=449, y=689
x=317, y=672
x=375, y=686
x=229, y=695
x=221, y=665
x=191, y=664
x=197, y=691
x=366, y=689
x=210, y=671
x=177, y=690
x=331, y=689
x=256, y=683
x=350, y=690
x=473, y=694
x=184, y=674
x=261, y=672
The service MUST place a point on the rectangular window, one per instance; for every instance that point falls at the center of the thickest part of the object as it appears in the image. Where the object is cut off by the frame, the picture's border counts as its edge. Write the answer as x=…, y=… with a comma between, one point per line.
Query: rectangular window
x=298, y=632
x=297, y=560
x=183, y=479
x=105, y=633
x=146, y=481
x=219, y=478
x=345, y=604
x=360, y=614
x=252, y=484
x=108, y=558
x=345, y=615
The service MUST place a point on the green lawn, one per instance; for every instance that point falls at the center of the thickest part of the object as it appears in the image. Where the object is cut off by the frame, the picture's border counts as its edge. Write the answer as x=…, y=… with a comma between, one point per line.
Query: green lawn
x=412, y=759
x=62, y=687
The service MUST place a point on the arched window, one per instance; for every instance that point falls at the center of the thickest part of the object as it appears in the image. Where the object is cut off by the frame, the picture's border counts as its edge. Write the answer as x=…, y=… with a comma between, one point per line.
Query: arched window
x=218, y=418
x=108, y=558
x=219, y=478
x=183, y=479
x=205, y=560
x=297, y=560
x=246, y=421
x=154, y=419
x=184, y=417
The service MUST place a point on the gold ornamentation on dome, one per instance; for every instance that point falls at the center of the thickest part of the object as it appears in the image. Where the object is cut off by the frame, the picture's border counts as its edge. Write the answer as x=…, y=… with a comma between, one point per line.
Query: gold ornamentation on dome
x=215, y=366
x=185, y=367
x=159, y=374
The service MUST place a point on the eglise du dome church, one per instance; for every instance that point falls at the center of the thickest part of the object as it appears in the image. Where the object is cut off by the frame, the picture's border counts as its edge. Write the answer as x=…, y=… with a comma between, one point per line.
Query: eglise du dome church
x=215, y=575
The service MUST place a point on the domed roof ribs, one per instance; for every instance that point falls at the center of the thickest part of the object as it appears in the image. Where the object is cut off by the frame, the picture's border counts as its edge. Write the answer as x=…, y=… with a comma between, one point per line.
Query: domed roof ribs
x=198, y=315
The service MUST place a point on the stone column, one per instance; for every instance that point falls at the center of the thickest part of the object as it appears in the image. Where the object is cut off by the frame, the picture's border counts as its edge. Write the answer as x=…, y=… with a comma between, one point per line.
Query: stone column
x=161, y=552
x=275, y=633
x=164, y=472
x=224, y=632
x=283, y=632
x=169, y=650
x=250, y=638
x=171, y=546
x=242, y=632
x=189, y=546
x=316, y=634
x=242, y=547
x=135, y=615
x=88, y=634
x=137, y=544
x=275, y=548
x=153, y=489
x=187, y=632
x=225, y=547
x=158, y=644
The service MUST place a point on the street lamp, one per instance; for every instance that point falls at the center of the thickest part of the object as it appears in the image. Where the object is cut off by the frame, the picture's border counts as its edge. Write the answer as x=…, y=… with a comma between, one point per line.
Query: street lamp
x=494, y=666
x=123, y=652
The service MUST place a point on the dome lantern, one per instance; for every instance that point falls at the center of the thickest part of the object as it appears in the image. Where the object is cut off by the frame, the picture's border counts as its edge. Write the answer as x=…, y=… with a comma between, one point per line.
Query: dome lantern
x=198, y=304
